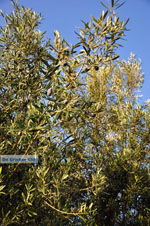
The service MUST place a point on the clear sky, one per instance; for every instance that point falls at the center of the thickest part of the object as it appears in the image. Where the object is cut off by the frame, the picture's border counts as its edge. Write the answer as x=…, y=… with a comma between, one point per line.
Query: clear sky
x=66, y=16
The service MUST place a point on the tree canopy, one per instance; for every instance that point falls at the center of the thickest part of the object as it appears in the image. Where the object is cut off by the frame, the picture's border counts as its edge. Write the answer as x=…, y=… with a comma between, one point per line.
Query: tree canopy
x=75, y=106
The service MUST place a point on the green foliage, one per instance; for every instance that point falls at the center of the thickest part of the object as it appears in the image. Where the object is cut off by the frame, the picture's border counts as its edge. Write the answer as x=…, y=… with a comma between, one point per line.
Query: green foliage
x=90, y=132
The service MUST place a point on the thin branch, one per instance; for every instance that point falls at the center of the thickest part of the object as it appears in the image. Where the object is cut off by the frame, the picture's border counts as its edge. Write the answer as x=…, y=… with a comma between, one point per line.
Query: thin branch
x=63, y=212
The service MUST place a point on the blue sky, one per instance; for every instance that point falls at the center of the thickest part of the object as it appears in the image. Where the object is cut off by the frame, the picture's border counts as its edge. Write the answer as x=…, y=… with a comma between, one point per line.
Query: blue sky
x=66, y=16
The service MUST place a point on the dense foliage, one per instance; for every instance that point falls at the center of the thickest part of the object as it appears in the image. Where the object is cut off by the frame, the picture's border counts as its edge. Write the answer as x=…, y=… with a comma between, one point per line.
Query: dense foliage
x=76, y=107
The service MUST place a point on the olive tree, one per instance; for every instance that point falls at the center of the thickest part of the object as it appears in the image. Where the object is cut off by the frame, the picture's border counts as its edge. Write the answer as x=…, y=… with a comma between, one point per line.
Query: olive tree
x=76, y=107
